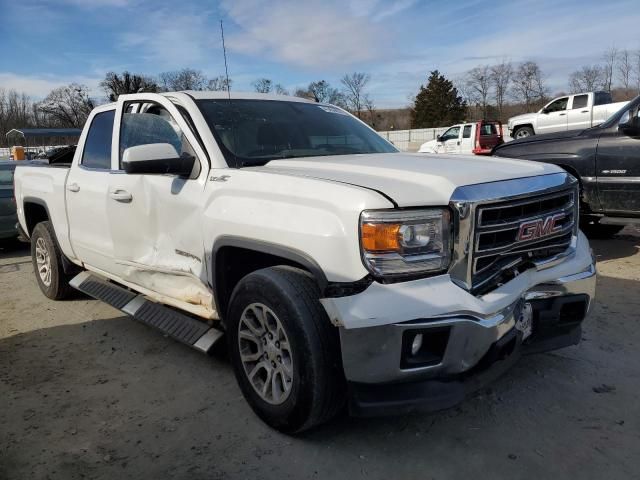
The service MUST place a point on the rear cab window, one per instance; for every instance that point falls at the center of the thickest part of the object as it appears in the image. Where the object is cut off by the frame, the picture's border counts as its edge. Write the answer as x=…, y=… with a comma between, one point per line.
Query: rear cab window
x=602, y=98
x=466, y=132
x=97, y=147
x=580, y=101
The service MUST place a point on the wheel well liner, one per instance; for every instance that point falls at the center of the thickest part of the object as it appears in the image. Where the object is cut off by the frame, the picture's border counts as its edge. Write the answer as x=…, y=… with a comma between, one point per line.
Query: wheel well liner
x=35, y=211
x=232, y=258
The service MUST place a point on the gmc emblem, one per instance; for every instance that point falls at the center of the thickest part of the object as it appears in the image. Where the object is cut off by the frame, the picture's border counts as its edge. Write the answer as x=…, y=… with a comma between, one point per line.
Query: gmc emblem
x=541, y=227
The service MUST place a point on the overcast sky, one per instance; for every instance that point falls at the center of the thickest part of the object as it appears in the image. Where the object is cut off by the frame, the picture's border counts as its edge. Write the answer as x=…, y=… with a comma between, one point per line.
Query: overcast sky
x=44, y=44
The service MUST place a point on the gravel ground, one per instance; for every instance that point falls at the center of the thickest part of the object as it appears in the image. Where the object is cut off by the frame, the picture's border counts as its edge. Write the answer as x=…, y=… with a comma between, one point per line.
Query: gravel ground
x=88, y=393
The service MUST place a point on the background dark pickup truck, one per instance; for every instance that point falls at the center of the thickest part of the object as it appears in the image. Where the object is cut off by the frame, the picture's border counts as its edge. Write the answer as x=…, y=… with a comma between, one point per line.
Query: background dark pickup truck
x=606, y=161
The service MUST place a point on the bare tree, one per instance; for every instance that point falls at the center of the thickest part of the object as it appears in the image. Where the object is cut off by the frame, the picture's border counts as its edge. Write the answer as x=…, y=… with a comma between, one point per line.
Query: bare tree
x=321, y=91
x=610, y=58
x=68, y=106
x=637, y=69
x=625, y=68
x=528, y=84
x=185, y=79
x=588, y=79
x=371, y=110
x=219, y=84
x=501, y=75
x=263, y=85
x=354, y=85
x=280, y=90
x=115, y=85
x=479, y=81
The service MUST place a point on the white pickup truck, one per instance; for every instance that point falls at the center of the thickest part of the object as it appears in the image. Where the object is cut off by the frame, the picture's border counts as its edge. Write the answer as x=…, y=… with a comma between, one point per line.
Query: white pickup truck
x=340, y=270
x=569, y=112
x=478, y=138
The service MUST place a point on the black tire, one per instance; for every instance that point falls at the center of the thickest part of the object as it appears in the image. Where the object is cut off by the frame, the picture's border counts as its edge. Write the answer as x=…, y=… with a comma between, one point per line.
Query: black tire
x=596, y=230
x=523, y=132
x=318, y=386
x=58, y=287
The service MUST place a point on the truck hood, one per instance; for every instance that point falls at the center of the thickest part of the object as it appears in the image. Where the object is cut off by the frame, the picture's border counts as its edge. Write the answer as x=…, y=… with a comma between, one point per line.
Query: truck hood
x=520, y=119
x=409, y=179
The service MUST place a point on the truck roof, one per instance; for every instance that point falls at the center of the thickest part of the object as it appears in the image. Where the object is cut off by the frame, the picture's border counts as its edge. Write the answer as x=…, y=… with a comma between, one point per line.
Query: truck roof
x=209, y=95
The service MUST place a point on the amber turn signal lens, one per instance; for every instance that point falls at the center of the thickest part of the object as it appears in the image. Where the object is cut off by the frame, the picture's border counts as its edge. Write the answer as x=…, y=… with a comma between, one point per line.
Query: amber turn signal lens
x=379, y=237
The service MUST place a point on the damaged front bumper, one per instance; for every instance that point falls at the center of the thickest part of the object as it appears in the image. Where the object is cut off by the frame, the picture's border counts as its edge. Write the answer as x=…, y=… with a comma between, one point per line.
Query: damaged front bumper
x=462, y=349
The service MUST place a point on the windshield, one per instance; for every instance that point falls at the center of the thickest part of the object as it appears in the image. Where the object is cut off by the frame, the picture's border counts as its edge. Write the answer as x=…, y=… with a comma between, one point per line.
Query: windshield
x=254, y=132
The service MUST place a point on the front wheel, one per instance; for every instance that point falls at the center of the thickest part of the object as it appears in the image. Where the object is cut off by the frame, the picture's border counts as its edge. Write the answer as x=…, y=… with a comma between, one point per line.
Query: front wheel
x=285, y=352
x=47, y=263
x=523, y=132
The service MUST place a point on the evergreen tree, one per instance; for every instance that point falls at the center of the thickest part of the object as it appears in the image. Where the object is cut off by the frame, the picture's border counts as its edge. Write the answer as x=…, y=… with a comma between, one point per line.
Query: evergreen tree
x=438, y=104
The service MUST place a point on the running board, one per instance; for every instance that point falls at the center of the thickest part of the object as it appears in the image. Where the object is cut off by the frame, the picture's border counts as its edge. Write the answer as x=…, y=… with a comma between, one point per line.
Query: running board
x=185, y=329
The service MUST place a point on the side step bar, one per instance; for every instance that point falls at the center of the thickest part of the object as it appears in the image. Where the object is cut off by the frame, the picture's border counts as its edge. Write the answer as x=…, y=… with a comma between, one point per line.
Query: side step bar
x=185, y=329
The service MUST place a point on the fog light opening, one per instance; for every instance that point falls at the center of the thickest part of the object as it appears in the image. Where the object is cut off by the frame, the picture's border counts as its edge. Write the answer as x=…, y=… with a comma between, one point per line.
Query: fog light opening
x=416, y=345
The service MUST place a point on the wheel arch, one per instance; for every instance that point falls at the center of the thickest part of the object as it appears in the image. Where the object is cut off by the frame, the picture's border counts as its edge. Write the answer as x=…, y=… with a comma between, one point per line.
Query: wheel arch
x=232, y=258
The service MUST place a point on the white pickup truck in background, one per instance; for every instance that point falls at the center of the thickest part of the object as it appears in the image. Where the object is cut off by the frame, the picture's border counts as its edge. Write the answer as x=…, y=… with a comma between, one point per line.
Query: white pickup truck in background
x=477, y=138
x=338, y=269
x=569, y=112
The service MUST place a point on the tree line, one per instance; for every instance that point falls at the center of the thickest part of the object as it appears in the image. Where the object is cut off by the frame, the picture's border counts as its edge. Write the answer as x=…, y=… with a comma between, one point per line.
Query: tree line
x=503, y=89
x=69, y=106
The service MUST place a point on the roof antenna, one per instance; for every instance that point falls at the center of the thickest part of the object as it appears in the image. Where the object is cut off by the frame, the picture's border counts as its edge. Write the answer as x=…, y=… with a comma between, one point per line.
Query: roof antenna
x=226, y=72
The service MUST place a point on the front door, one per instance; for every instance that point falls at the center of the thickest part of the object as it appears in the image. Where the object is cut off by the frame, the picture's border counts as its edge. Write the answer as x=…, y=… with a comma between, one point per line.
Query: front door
x=156, y=220
x=450, y=140
x=553, y=117
x=86, y=193
x=618, y=170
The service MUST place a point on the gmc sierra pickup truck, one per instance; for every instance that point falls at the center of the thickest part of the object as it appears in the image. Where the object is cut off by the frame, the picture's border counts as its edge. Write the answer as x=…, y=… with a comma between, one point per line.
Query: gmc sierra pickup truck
x=605, y=159
x=569, y=112
x=340, y=270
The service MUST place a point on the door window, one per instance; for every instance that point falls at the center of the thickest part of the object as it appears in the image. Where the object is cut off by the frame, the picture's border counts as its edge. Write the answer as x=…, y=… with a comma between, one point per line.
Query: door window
x=466, y=131
x=580, y=101
x=151, y=124
x=97, y=147
x=450, y=134
x=558, y=105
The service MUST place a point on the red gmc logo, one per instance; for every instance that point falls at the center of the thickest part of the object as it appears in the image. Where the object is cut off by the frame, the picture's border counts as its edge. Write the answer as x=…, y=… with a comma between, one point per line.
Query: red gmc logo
x=539, y=228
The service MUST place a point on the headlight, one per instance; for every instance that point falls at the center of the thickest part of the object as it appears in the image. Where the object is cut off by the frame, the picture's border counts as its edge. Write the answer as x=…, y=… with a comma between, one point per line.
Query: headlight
x=406, y=242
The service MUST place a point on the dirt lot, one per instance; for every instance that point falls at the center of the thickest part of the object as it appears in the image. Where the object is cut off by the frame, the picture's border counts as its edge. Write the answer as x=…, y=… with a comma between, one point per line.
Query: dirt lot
x=88, y=393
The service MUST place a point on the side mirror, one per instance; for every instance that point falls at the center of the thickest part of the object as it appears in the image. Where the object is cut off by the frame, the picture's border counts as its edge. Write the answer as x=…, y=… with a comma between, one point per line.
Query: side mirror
x=157, y=159
x=545, y=111
x=439, y=138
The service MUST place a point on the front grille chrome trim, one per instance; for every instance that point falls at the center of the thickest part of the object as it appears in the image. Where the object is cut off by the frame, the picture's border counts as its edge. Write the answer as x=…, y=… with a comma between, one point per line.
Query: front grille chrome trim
x=466, y=201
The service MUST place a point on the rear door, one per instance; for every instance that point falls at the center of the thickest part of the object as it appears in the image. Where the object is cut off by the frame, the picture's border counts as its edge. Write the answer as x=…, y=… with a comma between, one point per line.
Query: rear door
x=618, y=170
x=579, y=113
x=155, y=221
x=86, y=193
x=466, y=142
x=553, y=118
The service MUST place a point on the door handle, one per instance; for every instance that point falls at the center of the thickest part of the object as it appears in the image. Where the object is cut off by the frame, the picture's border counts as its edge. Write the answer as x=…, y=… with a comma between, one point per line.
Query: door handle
x=584, y=111
x=562, y=114
x=74, y=187
x=121, y=196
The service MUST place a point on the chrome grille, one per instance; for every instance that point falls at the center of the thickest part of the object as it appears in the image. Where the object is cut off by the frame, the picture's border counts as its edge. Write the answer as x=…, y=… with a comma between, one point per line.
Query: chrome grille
x=511, y=235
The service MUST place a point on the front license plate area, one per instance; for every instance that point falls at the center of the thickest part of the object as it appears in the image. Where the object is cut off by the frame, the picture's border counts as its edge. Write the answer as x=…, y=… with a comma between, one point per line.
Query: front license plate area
x=524, y=321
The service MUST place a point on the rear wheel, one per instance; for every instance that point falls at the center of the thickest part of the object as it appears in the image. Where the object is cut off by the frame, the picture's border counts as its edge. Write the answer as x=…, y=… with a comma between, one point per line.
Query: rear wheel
x=47, y=263
x=523, y=132
x=596, y=230
x=284, y=351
